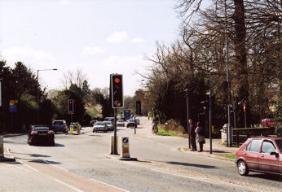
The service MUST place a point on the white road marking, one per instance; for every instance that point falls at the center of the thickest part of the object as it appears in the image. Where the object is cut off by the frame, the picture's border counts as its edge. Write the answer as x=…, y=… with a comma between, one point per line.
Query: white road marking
x=30, y=167
x=109, y=185
x=68, y=185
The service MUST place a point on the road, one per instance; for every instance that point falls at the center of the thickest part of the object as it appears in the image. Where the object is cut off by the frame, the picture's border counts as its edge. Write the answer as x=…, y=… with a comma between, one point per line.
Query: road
x=82, y=163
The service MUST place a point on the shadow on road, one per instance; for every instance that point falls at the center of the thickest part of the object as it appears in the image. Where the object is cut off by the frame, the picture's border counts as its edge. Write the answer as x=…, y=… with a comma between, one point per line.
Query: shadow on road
x=32, y=155
x=13, y=135
x=48, y=145
x=44, y=161
x=192, y=165
x=39, y=155
x=271, y=177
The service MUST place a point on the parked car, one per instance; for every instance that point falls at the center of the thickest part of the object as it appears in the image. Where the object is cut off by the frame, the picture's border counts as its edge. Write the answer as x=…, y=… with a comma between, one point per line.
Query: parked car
x=263, y=154
x=267, y=122
x=40, y=134
x=100, y=126
x=120, y=123
x=59, y=126
x=109, y=125
x=131, y=123
x=109, y=119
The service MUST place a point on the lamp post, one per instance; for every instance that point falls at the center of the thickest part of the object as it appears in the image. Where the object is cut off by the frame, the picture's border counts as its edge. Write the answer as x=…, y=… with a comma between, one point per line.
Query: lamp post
x=210, y=119
x=188, y=117
x=37, y=78
x=38, y=70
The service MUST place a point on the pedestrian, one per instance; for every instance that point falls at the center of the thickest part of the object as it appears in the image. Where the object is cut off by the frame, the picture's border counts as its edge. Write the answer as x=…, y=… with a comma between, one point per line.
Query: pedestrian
x=193, y=135
x=200, y=136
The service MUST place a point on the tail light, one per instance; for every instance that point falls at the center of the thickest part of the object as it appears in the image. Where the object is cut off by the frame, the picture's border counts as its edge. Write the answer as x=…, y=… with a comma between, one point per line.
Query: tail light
x=34, y=132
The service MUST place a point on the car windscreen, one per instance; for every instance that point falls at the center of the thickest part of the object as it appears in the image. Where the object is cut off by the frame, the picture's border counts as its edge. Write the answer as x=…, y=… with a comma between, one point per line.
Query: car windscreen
x=279, y=144
x=41, y=128
x=58, y=123
x=99, y=123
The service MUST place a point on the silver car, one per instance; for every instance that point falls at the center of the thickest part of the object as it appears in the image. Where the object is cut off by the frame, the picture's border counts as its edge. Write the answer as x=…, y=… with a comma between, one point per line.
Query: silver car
x=100, y=126
x=109, y=125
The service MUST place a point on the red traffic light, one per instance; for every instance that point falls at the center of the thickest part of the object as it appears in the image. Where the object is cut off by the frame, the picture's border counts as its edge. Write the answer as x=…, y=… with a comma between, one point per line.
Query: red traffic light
x=117, y=90
x=117, y=80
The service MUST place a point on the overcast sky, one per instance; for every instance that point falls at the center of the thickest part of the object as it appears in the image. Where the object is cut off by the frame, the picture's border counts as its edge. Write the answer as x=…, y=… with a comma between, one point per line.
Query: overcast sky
x=99, y=37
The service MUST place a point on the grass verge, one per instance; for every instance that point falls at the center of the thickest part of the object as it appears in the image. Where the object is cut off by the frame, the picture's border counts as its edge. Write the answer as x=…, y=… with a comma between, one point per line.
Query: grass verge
x=163, y=132
x=229, y=156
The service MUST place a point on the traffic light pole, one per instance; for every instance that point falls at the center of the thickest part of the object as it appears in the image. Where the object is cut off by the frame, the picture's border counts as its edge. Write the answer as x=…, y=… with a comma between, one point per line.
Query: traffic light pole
x=115, y=151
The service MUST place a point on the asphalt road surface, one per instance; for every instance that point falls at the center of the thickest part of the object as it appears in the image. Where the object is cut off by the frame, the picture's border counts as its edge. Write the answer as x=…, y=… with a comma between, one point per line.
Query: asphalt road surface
x=82, y=163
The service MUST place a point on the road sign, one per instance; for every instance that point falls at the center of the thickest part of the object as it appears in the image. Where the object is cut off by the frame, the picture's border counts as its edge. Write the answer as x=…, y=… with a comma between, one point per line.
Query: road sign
x=125, y=147
x=13, y=105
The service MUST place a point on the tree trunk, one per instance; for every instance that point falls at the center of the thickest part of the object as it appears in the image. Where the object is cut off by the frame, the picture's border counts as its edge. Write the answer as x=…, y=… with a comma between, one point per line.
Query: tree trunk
x=240, y=49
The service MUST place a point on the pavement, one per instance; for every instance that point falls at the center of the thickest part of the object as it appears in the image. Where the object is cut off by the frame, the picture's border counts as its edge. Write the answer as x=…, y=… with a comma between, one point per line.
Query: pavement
x=219, y=150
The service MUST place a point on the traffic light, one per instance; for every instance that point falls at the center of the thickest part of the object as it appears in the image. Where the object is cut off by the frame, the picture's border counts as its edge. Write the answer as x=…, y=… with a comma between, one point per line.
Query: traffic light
x=138, y=107
x=71, y=106
x=117, y=90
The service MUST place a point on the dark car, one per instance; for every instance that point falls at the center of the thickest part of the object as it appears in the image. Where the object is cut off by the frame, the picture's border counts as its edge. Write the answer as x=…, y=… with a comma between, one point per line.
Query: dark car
x=59, y=126
x=263, y=154
x=131, y=123
x=40, y=134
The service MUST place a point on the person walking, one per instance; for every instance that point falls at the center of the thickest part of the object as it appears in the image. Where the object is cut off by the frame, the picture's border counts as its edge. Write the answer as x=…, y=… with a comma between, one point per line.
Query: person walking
x=200, y=136
x=193, y=135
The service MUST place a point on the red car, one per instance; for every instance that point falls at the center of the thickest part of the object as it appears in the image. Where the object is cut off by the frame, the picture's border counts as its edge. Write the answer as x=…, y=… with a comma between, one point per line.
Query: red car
x=263, y=154
x=268, y=122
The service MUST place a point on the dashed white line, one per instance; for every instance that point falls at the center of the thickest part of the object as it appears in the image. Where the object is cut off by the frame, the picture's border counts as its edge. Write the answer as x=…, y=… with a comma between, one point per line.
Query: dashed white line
x=68, y=185
x=109, y=185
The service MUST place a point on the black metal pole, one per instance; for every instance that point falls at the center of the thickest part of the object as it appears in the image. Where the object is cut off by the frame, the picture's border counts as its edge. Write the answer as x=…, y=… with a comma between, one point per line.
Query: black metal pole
x=210, y=121
x=115, y=152
x=188, y=117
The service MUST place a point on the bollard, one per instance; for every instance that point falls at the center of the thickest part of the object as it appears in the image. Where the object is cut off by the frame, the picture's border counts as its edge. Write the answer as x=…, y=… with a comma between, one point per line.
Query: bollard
x=1, y=147
x=125, y=148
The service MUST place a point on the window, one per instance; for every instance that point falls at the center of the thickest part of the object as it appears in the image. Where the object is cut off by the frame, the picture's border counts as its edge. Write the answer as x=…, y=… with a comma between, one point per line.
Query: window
x=267, y=147
x=254, y=146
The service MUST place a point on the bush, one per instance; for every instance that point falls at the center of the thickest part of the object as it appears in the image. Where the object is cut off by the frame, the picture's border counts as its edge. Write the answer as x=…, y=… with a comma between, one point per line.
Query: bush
x=170, y=128
x=173, y=126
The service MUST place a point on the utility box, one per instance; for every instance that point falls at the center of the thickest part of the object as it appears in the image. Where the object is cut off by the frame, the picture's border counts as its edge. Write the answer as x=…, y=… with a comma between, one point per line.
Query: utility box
x=125, y=147
x=224, y=134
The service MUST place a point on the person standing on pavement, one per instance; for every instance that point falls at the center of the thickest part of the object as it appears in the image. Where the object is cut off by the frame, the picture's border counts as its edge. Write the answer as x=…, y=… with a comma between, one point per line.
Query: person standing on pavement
x=200, y=136
x=193, y=135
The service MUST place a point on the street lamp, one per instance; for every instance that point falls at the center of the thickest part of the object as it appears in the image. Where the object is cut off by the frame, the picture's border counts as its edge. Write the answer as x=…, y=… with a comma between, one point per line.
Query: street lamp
x=37, y=78
x=210, y=120
x=38, y=70
x=188, y=117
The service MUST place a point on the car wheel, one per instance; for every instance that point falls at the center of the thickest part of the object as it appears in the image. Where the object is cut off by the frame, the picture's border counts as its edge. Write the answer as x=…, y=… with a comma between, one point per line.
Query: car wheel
x=242, y=168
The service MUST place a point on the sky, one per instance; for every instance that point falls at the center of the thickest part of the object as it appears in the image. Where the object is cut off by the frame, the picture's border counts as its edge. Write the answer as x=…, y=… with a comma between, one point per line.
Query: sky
x=98, y=37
